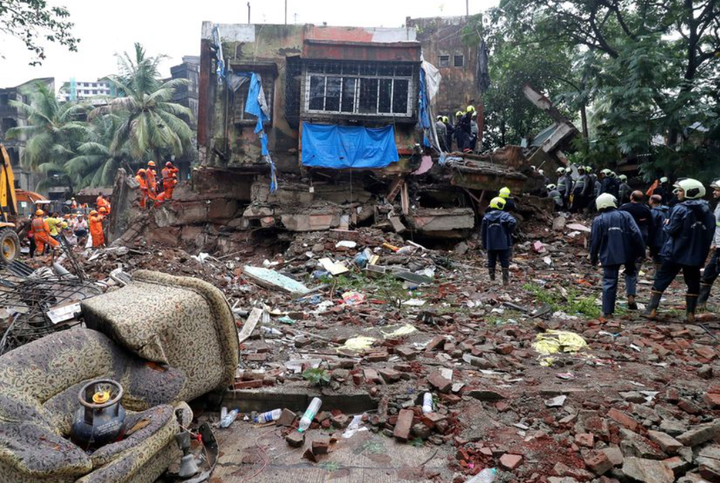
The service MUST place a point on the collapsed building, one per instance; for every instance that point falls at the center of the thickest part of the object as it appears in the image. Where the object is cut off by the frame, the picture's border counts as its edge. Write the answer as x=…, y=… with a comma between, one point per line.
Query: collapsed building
x=306, y=128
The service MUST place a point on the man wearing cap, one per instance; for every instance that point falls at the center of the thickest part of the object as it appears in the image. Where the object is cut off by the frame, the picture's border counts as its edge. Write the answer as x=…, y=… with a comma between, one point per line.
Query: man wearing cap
x=690, y=232
x=712, y=269
x=169, y=174
x=151, y=177
x=615, y=241
x=96, y=228
x=581, y=191
x=141, y=178
x=440, y=128
x=41, y=233
x=565, y=185
x=496, y=233
x=660, y=213
x=624, y=190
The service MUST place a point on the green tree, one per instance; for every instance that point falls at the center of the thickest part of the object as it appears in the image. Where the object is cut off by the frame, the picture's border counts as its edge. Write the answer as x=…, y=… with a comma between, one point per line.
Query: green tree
x=151, y=126
x=28, y=20
x=53, y=132
x=654, y=72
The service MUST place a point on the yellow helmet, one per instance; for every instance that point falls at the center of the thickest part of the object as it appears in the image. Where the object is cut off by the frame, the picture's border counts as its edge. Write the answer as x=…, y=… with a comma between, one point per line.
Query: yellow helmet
x=497, y=203
x=505, y=192
x=445, y=119
x=459, y=114
x=470, y=108
x=39, y=213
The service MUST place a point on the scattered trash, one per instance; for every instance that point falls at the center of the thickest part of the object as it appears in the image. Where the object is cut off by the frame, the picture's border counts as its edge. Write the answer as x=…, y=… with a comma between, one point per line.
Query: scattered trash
x=229, y=418
x=556, y=402
x=353, y=298
x=358, y=344
x=268, y=416
x=310, y=414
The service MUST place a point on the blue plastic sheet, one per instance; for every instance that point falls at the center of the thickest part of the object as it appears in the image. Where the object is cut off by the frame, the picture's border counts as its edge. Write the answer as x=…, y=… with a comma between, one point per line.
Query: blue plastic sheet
x=340, y=147
x=256, y=105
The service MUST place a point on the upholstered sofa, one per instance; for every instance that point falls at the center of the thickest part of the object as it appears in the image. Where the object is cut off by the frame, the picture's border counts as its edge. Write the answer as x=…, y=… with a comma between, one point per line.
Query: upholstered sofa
x=165, y=339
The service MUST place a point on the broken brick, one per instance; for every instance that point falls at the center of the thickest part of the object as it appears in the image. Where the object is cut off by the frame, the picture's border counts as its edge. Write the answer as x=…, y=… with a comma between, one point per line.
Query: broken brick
x=287, y=418
x=439, y=382
x=510, y=461
x=623, y=419
x=666, y=442
x=321, y=446
x=598, y=462
x=389, y=375
x=403, y=425
x=295, y=439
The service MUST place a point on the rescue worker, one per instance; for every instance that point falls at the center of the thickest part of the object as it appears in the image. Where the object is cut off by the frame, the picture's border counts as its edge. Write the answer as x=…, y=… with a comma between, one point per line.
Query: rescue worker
x=555, y=195
x=610, y=184
x=506, y=195
x=624, y=190
x=41, y=233
x=96, y=229
x=594, y=188
x=660, y=214
x=546, y=180
x=640, y=213
x=150, y=175
x=144, y=193
x=712, y=269
x=101, y=201
x=581, y=191
x=564, y=185
x=73, y=204
x=474, y=131
x=464, y=133
x=459, y=136
x=169, y=176
x=615, y=241
x=690, y=232
x=663, y=189
x=496, y=233
x=53, y=222
x=450, y=132
x=439, y=128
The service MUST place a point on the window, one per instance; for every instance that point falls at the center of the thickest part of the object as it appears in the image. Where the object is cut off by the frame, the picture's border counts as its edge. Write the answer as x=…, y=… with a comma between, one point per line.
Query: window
x=242, y=117
x=459, y=60
x=4, y=100
x=444, y=61
x=370, y=89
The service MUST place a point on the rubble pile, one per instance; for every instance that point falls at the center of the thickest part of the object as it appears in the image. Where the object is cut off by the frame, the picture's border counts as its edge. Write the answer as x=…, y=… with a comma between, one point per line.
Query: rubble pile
x=417, y=345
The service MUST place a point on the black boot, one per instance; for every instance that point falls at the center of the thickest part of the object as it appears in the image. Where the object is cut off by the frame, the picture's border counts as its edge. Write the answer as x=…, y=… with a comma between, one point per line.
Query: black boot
x=651, y=310
x=492, y=274
x=506, y=276
x=632, y=305
x=691, y=302
x=704, y=295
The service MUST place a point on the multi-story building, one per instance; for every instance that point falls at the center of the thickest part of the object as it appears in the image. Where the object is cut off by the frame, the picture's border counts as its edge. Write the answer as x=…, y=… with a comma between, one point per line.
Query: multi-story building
x=81, y=90
x=11, y=117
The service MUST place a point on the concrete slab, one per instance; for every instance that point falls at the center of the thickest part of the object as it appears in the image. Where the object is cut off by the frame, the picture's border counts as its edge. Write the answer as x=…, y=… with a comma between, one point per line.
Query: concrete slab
x=365, y=458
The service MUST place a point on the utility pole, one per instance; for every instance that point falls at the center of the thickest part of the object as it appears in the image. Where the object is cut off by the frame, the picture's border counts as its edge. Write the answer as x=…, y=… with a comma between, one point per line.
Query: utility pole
x=285, y=12
x=248, y=12
x=467, y=8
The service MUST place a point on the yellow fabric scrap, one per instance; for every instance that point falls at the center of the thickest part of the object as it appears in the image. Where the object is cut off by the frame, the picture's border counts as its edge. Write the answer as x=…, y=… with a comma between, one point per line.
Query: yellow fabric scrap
x=406, y=329
x=357, y=344
x=555, y=341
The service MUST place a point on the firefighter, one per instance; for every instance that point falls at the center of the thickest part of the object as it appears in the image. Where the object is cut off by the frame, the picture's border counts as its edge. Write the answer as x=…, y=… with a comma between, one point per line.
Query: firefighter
x=496, y=232
x=150, y=175
x=41, y=233
x=96, y=228
x=712, y=269
x=690, y=230
x=141, y=178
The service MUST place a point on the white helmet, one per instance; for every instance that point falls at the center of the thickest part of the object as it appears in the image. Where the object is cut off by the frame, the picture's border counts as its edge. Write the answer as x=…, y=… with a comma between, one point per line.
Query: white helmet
x=715, y=184
x=663, y=179
x=693, y=188
x=623, y=177
x=606, y=172
x=605, y=200
x=551, y=187
x=541, y=171
x=560, y=170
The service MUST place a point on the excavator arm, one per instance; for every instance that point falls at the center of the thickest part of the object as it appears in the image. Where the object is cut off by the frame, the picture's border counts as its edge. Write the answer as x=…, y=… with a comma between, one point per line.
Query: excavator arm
x=8, y=198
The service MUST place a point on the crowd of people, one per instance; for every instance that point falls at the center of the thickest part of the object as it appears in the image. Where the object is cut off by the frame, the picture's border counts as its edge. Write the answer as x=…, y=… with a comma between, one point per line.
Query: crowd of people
x=673, y=226
x=464, y=132
x=153, y=188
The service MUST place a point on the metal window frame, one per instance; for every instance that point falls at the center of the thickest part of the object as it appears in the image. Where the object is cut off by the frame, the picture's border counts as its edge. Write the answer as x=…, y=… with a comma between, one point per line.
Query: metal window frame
x=356, y=95
x=462, y=56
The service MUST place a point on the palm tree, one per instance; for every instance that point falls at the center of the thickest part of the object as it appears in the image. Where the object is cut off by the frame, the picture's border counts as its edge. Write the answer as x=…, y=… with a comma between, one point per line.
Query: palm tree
x=151, y=125
x=95, y=163
x=52, y=133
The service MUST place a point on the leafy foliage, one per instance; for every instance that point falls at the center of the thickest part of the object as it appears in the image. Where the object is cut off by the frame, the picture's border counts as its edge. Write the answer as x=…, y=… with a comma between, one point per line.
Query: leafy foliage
x=30, y=20
x=317, y=377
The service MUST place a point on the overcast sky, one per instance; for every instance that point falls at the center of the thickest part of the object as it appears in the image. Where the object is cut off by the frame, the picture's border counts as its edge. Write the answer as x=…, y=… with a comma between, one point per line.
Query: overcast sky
x=172, y=27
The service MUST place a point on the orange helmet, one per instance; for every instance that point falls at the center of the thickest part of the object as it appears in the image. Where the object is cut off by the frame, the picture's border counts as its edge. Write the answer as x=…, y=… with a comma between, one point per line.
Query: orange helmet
x=168, y=164
x=151, y=163
x=93, y=212
x=39, y=213
x=103, y=209
x=141, y=171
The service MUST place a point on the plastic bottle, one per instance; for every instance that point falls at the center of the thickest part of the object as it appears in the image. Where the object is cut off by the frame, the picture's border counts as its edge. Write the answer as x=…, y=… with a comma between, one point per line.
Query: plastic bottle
x=268, y=416
x=485, y=476
x=310, y=413
x=427, y=403
x=271, y=332
x=229, y=418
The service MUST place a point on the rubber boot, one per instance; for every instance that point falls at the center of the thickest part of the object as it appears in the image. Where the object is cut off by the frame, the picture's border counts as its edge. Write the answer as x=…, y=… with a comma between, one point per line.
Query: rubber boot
x=704, y=295
x=506, y=276
x=632, y=305
x=492, y=274
x=691, y=302
x=651, y=311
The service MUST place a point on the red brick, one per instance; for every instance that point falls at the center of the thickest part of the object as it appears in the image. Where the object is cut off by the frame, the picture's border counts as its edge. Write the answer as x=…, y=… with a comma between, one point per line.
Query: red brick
x=705, y=352
x=623, y=419
x=404, y=423
x=598, y=462
x=389, y=375
x=321, y=446
x=437, y=343
x=248, y=384
x=689, y=407
x=504, y=349
x=430, y=419
x=406, y=353
x=371, y=375
x=585, y=439
x=256, y=357
x=439, y=382
x=510, y=461
x=713, y=400
x=377, y=357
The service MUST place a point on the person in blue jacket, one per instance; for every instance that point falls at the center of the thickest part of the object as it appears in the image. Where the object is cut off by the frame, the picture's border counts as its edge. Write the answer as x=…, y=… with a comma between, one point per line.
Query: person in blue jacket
x=496, y=231
x=659, y=214
x=690, y=231
x=615, y=240
x=712, y=269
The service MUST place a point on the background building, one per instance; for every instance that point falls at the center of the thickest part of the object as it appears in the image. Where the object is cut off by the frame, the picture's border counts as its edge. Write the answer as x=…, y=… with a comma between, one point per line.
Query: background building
x=11, y=117
x=82, y=90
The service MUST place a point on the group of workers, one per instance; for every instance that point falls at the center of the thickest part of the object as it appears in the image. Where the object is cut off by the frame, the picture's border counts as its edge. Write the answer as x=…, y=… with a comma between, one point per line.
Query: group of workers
x=46, y=229
x=153, y=188
x=464, y=132
x=576, y=193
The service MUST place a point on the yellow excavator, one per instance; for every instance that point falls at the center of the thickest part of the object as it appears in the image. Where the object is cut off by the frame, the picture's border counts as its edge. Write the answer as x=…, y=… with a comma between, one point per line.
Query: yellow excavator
x=9, y=241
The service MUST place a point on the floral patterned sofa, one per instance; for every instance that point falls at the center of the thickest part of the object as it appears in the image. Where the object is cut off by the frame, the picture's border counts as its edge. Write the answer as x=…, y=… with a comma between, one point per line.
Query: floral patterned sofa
x=165, y=339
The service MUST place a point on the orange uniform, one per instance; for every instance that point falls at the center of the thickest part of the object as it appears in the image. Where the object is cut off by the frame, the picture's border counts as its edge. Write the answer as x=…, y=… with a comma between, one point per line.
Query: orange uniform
x=101, y=202
x=41, y=232
x=143, y=190
x=169, y=175
x=151, y=183
x=96, y=230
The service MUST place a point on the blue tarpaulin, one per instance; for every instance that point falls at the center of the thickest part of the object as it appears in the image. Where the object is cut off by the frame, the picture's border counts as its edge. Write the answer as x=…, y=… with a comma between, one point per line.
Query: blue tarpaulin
x=340, y=147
